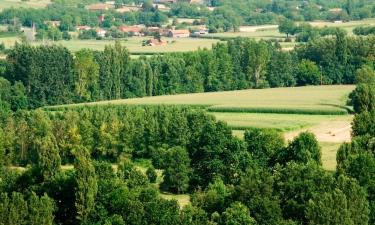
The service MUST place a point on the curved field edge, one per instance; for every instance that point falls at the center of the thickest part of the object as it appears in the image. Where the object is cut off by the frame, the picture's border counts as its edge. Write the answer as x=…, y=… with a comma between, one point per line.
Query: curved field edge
x=310, y=100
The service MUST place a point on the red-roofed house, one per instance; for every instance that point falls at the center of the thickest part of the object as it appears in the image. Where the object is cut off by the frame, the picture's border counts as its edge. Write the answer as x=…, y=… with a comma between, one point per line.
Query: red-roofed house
x=137, y=31
x=79, y=28
x=179, y=33
x=100, y=7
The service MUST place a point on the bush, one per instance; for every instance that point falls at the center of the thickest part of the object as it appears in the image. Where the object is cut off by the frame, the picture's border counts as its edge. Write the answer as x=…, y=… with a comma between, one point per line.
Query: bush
x=151, y=174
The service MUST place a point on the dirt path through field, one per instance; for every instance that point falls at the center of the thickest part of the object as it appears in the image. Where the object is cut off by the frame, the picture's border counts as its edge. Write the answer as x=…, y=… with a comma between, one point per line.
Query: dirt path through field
x=330, y=131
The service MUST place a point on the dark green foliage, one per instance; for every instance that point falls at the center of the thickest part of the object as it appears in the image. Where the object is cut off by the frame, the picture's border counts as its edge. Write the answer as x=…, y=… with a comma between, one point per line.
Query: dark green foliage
x=86, y=180
x=18, y=210
x=151, y=174
x=264, y=144
x=308, y=73
x=303, y=149
x=296, y=184
x=256, y=192
x=176, y=170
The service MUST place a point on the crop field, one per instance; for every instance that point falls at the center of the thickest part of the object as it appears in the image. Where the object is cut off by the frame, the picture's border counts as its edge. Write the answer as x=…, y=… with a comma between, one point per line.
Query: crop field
x=4, y=4
x=297, y=100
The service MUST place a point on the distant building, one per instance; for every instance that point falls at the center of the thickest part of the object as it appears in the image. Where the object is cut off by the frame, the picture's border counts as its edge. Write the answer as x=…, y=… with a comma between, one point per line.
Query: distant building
x=54, y=23
x=126, y=9
x=101, y=18
x=336, y=10
x=84, y=27
x=100, y=32
x=100, y=7
x=134, y=30
x=156, y=42
x=179, y=33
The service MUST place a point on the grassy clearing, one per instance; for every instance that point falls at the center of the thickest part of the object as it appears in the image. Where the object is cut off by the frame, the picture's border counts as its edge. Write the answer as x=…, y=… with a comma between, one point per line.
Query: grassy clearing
x=282, y=122
x=329, y=151
x=4, y=4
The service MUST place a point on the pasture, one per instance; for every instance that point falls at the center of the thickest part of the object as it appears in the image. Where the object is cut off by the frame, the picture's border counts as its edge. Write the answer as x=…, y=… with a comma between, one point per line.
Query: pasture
x=133, y=44
x=318, y=109
x=4, y=4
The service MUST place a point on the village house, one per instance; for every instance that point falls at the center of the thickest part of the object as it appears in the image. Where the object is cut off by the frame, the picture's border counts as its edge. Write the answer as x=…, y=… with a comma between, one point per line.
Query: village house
x=179, y=33
x=100, y=32
x=134, y=30
x=336, y=10
x=100, y=7
x=84, y=27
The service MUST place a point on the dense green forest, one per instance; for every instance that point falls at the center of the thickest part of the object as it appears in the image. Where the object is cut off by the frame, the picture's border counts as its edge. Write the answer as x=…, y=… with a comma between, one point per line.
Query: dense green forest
x=50, y=75
x=258, y=180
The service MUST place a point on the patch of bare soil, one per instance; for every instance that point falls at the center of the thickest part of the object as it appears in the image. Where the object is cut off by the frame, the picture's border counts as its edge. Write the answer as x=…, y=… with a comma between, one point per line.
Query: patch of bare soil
x=330, y=131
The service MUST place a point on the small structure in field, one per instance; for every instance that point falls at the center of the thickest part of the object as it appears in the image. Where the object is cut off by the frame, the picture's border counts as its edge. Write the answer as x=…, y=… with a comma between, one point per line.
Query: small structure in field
x=179, y=33
x=164, y=1
x=155, y=42
x=100, y=7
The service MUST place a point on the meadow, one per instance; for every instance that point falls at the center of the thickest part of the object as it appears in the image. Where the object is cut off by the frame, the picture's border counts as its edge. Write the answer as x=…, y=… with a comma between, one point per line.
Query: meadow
x=4, y=4
x=134, y=44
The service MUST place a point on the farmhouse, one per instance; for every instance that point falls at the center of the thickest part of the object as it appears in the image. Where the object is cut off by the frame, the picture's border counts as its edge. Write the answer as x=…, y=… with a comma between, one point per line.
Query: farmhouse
x=179, y=33
x=336, y=10
x=126, y=9
x=135, y=30
x=84, y=27
x=100, y=7
x=100, y=32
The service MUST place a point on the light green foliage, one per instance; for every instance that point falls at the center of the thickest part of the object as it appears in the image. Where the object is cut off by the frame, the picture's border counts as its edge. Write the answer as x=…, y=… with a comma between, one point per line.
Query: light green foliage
x=87, y=186
x=237, y=214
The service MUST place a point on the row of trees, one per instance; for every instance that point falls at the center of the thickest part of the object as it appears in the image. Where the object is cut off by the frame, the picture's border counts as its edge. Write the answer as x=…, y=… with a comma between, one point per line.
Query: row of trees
x=258, y=180
x=52, y=75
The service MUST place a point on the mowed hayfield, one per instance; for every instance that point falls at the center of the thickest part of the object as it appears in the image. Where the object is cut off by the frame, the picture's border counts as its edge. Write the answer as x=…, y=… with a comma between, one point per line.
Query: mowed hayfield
x=133, y=44
x=5, y=4
x=319, y=109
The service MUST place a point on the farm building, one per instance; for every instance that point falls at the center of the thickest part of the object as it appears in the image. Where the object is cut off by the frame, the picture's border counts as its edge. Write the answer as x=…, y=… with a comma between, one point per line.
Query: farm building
x=100, y=7
x=135, y=30
x=156, y=42
x=100, y=32
x=84, y=27
x=179, y=33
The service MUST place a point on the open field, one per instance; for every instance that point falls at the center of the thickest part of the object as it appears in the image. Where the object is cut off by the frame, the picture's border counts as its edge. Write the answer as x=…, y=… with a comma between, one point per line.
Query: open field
x=133, y=44
x=318, y=99
x=282, y=122
x=4, y=4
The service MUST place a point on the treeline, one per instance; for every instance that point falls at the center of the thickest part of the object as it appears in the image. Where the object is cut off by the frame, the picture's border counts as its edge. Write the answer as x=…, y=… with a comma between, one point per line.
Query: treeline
x=252, y=12
x=369, y=30
x=52, y=75
x=258, y=180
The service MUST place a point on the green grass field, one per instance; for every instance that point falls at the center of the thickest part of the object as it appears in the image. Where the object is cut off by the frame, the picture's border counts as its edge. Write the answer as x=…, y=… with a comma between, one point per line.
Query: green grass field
x=310, y=98
x=133, y=44
x=4, y=4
